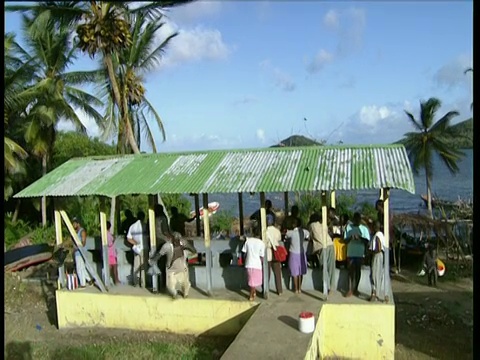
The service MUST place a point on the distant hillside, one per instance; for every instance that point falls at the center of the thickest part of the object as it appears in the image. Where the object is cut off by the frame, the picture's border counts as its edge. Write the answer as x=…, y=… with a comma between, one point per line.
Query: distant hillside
x=296, y=140
x=464, y=138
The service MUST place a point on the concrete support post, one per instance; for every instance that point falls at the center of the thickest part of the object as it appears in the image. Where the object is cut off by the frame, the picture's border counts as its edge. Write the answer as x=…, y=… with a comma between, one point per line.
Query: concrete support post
x=103, y=231
x=386, y=227
x=263, y=222
x=285, y=196
x=333, y=202
x=59, y=241
x=153, y=236
x=324, y=235
x=208, y=249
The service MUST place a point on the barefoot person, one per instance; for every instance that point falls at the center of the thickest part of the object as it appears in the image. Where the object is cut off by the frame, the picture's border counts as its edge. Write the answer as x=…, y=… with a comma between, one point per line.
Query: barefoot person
x=297, y=257
x=376, y=248
x=112, y=254
x=255, y=251
x=82, y=272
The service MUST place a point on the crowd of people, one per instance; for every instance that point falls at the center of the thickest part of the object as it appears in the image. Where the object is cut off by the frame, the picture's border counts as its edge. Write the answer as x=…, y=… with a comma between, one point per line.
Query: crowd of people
x=348, y=244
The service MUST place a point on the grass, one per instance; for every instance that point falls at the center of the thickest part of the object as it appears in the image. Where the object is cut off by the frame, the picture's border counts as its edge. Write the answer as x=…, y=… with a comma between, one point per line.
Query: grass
x=117, y=351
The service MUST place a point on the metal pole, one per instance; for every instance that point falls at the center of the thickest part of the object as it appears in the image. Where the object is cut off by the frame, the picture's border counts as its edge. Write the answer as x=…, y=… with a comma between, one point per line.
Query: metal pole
x=240, y=212
x=59, y=242
x=285, y=197
x=263, y=222
x=208, y=249
x=197, y=213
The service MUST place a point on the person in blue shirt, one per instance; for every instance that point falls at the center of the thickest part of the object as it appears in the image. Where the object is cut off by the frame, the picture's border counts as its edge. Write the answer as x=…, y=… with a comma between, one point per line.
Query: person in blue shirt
x=357, y=236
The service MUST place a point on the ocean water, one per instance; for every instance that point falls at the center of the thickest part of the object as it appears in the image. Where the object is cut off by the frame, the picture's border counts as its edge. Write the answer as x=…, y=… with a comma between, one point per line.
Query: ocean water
x=444, y=186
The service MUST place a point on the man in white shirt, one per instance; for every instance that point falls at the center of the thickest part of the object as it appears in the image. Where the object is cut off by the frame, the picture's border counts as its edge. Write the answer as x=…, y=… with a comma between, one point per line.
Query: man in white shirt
x=255, y=250
x=135, y=238
x=376, y=248
x=274, y=238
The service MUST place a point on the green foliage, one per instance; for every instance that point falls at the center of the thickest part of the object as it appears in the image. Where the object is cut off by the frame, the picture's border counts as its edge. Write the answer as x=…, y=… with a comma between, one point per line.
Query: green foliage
x=368, y=210
x=182, y=203
x=42, y=235
x=308, y=203
x=14, y=231
x=222, y=221
x=72, y=144
x=344, y=204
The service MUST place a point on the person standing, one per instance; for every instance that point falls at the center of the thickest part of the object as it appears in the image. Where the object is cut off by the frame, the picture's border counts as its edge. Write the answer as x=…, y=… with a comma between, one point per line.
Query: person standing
x=136, y=239
x=274, y=237
x=112, y=254
x=255, y=217
x=357, y=237
x=178, y=220
x=431, y=265
x=162, y=235
x=293, y=218
x=176, y=263
x=82, y=272
x=297, y=257
x=254, y=248
x=376, y=248
x=323, y=247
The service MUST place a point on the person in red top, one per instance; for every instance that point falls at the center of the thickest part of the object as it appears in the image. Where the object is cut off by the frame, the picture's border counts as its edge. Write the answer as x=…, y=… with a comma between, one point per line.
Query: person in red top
x=112, y=254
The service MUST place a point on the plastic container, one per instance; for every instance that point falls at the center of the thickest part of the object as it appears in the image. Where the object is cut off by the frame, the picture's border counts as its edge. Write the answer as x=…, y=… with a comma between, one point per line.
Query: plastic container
x=306, y=322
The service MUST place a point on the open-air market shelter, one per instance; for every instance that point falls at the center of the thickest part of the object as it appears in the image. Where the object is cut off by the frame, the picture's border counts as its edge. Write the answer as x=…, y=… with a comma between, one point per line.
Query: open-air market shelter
x=323, y=169
x=316, y=168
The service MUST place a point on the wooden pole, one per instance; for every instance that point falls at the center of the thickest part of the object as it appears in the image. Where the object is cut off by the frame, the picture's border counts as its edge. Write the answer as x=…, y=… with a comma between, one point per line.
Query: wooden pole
x=240, y=213
x=59, y=242
x=106, y=267
x=153, y=237
x=208, y=249
x=77, y=242
x=263, y=222
x=197, y=212
x=324, y=247
x=386, y=227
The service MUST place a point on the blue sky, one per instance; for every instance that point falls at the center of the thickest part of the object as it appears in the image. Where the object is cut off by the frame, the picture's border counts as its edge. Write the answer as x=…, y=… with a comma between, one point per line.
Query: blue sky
x=245, y=74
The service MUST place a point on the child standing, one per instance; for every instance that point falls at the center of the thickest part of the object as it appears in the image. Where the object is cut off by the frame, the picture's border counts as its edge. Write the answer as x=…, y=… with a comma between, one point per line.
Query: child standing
x=255, y=250
x=112, y=254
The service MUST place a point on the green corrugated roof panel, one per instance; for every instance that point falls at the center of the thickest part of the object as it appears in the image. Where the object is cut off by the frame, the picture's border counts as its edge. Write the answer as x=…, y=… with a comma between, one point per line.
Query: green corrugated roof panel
x=228, y=171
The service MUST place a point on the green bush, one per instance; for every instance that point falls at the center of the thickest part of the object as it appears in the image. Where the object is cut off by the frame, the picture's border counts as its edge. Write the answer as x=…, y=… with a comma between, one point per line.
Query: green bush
x=14, y=231
x=222, y=221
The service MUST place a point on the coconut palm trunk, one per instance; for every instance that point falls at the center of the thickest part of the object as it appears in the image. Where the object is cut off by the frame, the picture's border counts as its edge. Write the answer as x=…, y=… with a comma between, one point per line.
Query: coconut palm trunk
x=429, y=195
x=44, y=198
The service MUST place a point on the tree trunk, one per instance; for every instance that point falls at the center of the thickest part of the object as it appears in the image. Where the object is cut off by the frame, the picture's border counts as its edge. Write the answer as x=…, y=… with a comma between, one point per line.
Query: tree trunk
x=118, y=100
x=113, y=204
x=44, y=198
x=429, y=195
x=16, y=212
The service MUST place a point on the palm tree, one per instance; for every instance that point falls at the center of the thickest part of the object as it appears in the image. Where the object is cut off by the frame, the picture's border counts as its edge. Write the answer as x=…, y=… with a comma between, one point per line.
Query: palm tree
x=52, y=54
x=102, y=27
x=431, y=138
x=133, y=64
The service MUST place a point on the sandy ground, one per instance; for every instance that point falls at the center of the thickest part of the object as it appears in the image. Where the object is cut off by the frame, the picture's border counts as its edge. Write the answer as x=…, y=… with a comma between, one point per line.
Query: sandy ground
x=431, y=323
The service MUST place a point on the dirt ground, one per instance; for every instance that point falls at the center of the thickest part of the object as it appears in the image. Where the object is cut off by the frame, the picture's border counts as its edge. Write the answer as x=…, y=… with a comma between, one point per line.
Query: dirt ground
x=431, y=323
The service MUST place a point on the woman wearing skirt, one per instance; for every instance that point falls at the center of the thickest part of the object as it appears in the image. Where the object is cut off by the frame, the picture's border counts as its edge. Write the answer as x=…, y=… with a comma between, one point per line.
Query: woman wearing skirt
x=255, y=250
x=297, y=258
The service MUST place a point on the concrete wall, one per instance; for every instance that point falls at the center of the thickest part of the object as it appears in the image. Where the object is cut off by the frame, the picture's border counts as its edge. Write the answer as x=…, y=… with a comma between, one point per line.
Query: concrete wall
x=354, y=331
x=151, y=313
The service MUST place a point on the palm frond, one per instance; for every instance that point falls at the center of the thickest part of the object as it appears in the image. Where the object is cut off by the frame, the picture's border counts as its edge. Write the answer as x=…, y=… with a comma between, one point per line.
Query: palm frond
x=149, y=107
x=443, y=124
x=428, y=110
x=414, y=122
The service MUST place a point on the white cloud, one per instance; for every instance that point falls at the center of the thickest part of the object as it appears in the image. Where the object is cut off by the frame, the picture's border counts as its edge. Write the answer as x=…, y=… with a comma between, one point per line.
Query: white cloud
x=371, y=114
x=349, y=27
x=261, y=135
x=331, y=19
x=92, y=128
x=452, y=75
x=322, y=58
x=279, y=78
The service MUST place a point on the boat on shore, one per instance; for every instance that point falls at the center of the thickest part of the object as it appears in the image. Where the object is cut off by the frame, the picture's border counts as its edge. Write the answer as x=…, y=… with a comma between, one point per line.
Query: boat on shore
x=25, y=256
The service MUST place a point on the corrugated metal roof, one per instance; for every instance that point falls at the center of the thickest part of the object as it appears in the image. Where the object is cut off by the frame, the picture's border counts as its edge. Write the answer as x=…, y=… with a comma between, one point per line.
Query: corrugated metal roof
x=229, y=171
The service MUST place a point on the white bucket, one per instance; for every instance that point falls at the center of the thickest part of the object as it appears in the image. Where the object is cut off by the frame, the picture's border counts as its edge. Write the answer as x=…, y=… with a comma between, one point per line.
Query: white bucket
x=306, y=322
